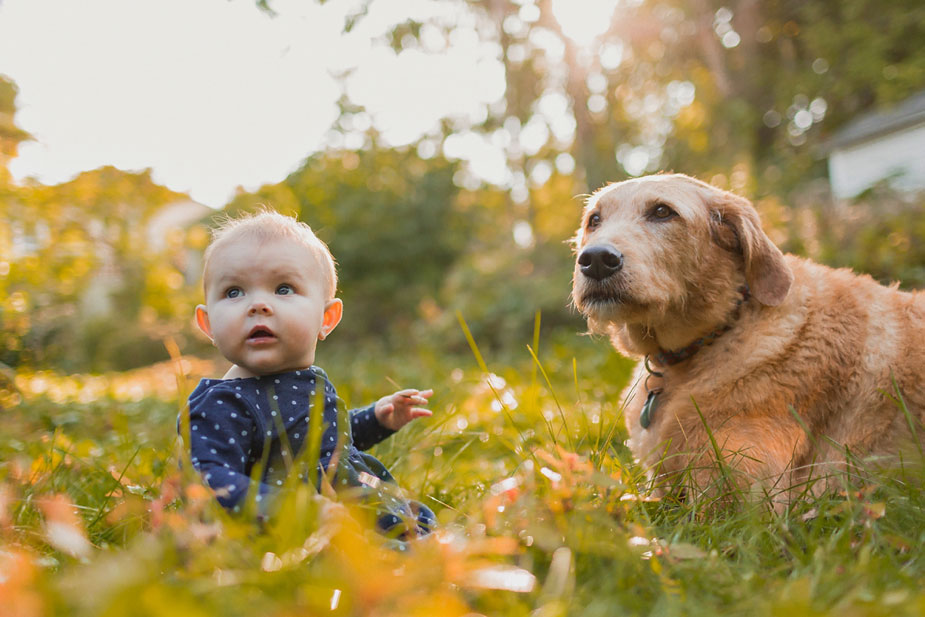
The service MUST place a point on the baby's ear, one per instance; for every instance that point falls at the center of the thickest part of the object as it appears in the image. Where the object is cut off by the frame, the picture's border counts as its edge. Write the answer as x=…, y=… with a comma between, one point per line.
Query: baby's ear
x=202, y=320
x=333, y=311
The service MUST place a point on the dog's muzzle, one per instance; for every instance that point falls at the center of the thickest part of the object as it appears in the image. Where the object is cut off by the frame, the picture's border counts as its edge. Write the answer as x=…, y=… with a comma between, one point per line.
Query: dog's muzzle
x=600, y=262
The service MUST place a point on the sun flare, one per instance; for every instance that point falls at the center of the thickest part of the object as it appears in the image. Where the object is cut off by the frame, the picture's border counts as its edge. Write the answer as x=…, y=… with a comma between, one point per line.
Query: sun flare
x=583, y=20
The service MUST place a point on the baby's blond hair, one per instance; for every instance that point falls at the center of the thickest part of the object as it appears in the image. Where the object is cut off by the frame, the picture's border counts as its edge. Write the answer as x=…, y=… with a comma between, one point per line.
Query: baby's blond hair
x=267, y=225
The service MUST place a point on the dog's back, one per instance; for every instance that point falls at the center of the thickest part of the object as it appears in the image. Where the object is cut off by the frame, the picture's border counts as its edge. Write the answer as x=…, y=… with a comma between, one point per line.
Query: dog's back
x=861, y=354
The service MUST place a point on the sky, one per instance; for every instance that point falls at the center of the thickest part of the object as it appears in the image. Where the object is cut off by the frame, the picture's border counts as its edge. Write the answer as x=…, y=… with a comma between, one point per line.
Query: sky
x=213, y=95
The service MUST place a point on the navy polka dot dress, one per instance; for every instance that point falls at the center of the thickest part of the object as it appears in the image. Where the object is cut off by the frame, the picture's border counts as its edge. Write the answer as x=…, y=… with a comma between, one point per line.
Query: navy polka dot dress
x=237, y=424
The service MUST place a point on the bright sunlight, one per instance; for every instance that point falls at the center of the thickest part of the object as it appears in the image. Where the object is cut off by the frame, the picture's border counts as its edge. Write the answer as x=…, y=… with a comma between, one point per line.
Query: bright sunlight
x=583, y=20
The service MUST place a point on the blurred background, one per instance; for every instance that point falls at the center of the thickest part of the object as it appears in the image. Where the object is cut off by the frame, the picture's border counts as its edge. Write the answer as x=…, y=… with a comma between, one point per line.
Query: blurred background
x=442, y=149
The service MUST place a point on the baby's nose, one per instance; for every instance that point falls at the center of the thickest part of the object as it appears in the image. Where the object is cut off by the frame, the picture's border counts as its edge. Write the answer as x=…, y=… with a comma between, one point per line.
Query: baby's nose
x=260, y=307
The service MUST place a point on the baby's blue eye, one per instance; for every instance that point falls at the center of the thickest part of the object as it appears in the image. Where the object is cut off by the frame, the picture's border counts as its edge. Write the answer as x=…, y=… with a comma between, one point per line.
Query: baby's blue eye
x=285, y=290
x=234, y=292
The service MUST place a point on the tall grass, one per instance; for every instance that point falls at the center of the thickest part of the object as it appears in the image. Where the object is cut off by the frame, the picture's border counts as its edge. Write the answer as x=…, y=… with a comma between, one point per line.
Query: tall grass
x=542, y=512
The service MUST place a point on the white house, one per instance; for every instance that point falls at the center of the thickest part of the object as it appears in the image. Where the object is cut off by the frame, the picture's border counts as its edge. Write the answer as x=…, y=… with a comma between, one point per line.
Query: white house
x=174, y=217
x=884, y=144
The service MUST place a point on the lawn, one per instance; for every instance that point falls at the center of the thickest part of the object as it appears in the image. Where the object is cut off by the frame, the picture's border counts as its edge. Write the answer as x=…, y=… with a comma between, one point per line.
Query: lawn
x=539, y=504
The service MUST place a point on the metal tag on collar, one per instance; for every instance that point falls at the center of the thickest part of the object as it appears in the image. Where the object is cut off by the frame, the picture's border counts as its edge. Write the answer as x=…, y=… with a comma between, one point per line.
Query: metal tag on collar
x=649, y=407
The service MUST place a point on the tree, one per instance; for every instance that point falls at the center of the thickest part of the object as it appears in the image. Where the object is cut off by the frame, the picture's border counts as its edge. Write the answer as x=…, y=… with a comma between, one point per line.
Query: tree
x=84, y=288
x=10, y=134
x=742, y=93
x=740, y=90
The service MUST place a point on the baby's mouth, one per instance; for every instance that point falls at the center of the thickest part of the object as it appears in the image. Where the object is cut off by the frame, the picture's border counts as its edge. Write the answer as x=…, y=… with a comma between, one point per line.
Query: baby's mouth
x=260, y=334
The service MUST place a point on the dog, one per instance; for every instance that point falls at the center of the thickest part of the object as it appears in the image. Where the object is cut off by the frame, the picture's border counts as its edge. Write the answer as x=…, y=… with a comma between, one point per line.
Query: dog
x=763, y=369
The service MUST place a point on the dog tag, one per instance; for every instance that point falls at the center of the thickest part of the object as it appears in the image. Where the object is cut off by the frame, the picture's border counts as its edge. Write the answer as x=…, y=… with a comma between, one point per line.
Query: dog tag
x=648, y=408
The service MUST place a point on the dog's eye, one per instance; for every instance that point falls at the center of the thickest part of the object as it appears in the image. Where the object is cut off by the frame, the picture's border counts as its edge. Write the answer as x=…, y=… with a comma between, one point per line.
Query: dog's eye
x=594, y=221
x=662, y=212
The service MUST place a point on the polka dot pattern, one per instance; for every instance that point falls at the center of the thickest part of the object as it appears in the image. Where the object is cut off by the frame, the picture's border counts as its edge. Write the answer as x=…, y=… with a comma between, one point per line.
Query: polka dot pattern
x=240, y=424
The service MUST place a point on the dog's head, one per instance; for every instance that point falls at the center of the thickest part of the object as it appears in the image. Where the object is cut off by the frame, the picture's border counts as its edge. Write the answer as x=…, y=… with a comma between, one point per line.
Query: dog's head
x=666, y=246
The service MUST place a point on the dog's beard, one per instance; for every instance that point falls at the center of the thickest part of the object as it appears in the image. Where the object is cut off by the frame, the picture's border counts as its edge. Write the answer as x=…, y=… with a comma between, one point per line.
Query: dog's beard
x=595, y=299
x=610, y=303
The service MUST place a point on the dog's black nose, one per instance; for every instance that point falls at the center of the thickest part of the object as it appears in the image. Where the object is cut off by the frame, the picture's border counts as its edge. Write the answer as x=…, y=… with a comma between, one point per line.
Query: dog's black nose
x=600, y=262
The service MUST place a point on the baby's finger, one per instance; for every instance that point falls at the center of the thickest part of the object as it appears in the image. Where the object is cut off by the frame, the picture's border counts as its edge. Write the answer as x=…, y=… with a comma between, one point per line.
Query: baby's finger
x=411, y=399
x=420, y=412
x=414, y=393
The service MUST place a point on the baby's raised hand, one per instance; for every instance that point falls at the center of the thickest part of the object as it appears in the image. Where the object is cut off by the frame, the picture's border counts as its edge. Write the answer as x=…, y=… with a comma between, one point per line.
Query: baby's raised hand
x=396, y=410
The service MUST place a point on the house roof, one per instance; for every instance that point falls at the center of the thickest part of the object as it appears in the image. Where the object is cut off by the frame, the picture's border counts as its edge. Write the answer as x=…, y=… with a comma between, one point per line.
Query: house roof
x=905, y=113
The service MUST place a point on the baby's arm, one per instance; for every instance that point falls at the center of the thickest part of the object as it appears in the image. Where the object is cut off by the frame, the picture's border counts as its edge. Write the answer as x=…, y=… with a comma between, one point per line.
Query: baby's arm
x=374, y=423
x=221, y=434
x=396, y=410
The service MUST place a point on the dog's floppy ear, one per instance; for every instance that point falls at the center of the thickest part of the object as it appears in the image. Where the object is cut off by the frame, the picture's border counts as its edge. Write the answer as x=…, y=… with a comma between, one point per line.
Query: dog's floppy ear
x=736, y=227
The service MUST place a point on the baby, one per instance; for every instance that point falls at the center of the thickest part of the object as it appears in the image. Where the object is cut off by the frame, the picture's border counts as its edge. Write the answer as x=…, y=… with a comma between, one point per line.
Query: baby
x=269, y=288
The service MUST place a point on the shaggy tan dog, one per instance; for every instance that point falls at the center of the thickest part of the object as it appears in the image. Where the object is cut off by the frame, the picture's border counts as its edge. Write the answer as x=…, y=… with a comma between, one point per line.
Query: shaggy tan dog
x=782, y=368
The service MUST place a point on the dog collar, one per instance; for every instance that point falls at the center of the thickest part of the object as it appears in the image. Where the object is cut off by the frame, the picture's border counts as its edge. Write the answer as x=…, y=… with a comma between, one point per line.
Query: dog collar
x=670, y=357
x=667, y=358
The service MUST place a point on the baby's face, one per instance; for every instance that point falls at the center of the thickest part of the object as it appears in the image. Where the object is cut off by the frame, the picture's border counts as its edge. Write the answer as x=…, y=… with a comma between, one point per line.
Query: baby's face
x=266, y=303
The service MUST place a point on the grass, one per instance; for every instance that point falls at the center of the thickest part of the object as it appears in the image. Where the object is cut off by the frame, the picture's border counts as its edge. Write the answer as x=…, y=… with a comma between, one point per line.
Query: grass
x=539, y=503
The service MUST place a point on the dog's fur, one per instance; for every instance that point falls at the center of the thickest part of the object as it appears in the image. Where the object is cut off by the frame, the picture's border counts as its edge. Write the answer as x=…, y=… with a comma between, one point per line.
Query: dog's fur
x=802, y=382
